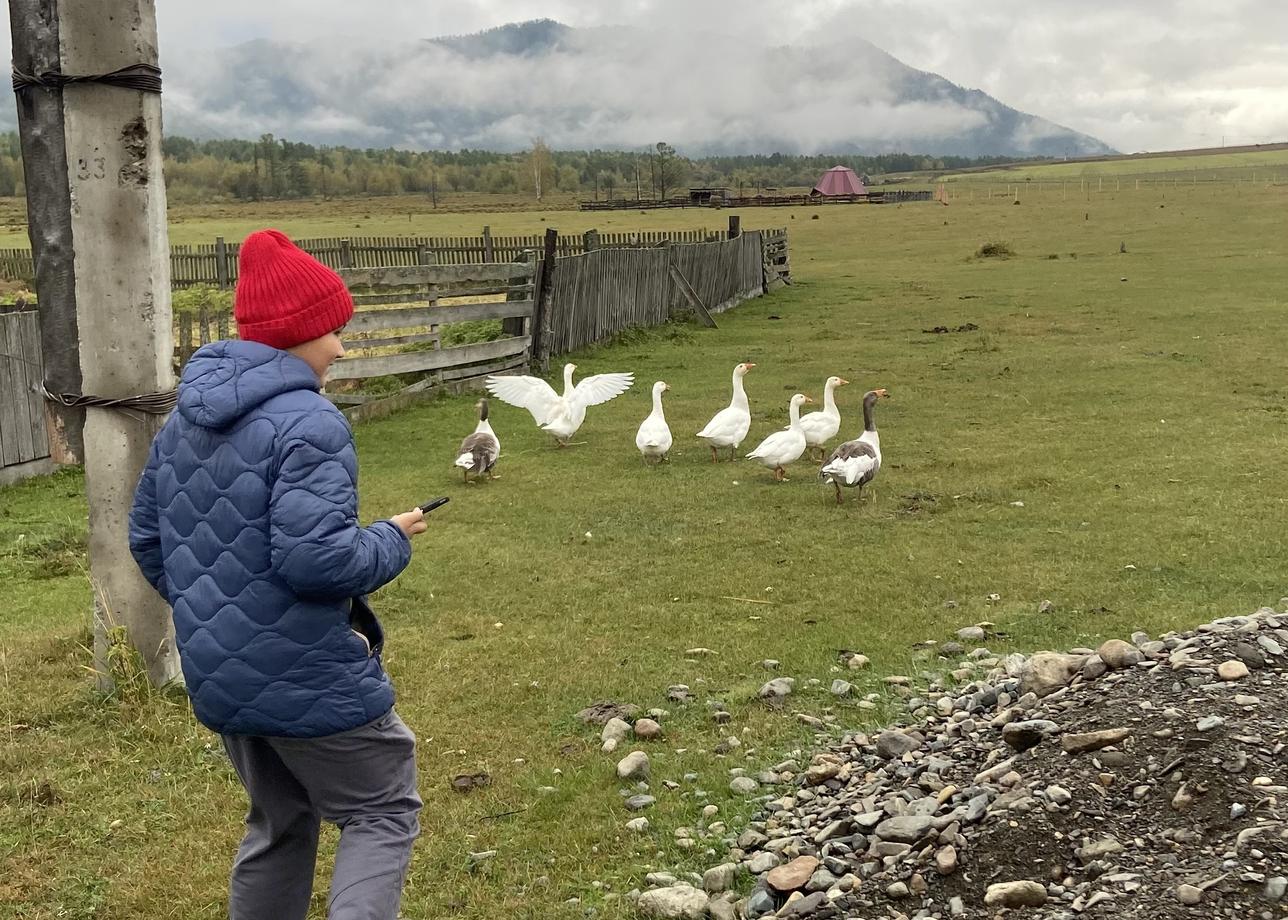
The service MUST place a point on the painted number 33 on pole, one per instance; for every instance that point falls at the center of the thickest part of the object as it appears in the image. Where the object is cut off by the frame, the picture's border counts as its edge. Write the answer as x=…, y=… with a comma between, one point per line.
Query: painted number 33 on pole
x=91, y=168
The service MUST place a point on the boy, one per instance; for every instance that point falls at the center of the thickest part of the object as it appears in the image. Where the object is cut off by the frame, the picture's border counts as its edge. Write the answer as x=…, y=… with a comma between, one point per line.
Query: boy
x=246, y=521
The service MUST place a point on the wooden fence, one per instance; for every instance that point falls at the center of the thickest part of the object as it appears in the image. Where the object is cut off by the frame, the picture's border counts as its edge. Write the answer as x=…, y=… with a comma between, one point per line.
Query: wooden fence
x=405, y=314
x=216, y=263
x=24, y=441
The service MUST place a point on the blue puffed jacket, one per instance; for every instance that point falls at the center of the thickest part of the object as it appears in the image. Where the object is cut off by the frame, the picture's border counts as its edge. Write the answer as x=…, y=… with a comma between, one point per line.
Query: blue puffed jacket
x=246, y=521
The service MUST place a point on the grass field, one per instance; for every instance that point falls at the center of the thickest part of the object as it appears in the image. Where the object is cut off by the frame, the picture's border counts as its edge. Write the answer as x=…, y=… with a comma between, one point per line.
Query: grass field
x=1135, y=402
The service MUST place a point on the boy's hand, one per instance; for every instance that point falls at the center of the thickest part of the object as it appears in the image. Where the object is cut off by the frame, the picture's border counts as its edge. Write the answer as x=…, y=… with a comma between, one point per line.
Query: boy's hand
x=410, y=522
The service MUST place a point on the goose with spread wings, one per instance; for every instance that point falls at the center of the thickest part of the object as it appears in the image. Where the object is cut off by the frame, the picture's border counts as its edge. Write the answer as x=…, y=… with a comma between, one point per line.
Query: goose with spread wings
x=559, y=415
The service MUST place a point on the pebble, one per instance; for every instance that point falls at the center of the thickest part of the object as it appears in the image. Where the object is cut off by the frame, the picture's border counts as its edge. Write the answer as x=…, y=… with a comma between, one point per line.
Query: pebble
x=1015, y=894
x=743, y=785
x=647, y=729
x=1188, y=894
x=793, y=875
x=1086, y=742
x=633, y=766
x=972, y=634
x=637, y=825
x=858, y=662
x=778, y=688
x=677, y=902
x=1207, y=723
x=640, y=802
x=842, y=688
x=1232, y=670
x=719, y=878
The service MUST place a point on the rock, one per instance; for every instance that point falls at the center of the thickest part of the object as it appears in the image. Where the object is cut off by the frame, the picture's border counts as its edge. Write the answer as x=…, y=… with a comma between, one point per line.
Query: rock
x=951, y=649
x=892, y=744
x=905, y=829
x=897, y=890
x=1207, y=723
x=770, y=664
x=615, y=730
x=1058, y=795
x=647, y=729
x=751, y=839
x=1085, y=742
x=1245, y=700
x=719, y=878
x=1015, y=894
x=640, y=802
x=760, y=903
x=603, y=711
x=722, y=910
x=946, y=860
x=743, y=785
x=1046, y=607
x=1046, y=672
x=1095, y=668
x=1024, y=735
x=633, y=766
x=678, y=902
x=1249, y=655
x=1276, y=888
x=778, y=688
x=1232, y=670
x=812, y=906
x=679, y=693
x=793, y=875
x=974, y=634
x=637, y=825
x=1188, y=894
x=821, y=880
x=1097, y=849
x=1118, y=654
x=721, y=717
x=763, y=862
x=842, y=687
x=956, y=906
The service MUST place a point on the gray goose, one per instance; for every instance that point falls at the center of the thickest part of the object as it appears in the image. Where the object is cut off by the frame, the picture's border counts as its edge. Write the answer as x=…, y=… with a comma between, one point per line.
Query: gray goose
x=479, y=451
x=856, y=463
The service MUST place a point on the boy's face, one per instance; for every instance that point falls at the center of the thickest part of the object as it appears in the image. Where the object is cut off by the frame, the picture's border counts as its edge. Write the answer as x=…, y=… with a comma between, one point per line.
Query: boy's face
x=320, y=353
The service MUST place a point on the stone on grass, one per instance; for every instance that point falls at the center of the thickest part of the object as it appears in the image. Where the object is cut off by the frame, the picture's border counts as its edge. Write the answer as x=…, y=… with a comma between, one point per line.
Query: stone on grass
x=842, y=687
x=640, y=802
x=743, y=785
x=1046, y=672
x=719, y=878
x=678, y=902
x=777, y=688
x=637, y=825
x=633, y=766
x=647, y=729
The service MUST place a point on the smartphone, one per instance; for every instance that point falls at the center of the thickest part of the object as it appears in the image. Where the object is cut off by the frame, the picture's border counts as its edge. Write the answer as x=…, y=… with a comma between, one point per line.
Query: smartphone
x=430, y=505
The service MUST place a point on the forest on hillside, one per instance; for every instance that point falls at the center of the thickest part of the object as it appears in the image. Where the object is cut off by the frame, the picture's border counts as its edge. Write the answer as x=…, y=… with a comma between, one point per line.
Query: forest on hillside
x=275, y=168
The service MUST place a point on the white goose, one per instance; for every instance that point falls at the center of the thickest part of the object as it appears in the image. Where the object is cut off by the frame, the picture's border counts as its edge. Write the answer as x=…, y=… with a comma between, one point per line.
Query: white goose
x=822, y=426
x=729, y=426
x=479, y=451
x=857, y=462
x=654, y=437
x=559, y=415
x=783, y=447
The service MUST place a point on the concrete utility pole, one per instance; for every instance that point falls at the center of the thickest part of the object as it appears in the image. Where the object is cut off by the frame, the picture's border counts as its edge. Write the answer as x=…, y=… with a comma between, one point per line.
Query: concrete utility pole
x=97, y=216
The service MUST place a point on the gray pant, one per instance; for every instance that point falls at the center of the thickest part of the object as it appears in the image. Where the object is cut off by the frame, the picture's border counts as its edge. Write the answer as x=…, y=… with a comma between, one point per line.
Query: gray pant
x=364, y=782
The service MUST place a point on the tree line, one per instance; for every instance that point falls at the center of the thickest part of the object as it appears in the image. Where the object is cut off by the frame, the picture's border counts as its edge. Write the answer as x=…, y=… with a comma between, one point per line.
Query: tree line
x=276, y=168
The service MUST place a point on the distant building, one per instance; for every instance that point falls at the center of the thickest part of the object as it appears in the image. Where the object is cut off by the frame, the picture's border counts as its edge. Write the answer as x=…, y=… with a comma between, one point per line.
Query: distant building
x=839, y=180
x=707, y=196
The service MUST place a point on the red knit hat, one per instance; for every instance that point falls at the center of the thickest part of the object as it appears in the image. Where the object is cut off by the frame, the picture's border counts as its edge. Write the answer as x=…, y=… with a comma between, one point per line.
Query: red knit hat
x=284, y=295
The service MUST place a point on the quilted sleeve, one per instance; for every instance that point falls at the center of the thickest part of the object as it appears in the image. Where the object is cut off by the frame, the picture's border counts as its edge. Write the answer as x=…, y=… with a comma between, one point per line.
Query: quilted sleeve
x=145, y=526
x=317, y=546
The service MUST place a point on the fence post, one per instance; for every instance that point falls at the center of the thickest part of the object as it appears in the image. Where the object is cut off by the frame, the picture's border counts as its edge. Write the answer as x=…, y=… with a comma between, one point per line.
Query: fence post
x=346, y=253
x=590, y=240
x=541, y=303
x=735, y=226
x=489, y=254
x=221, y=263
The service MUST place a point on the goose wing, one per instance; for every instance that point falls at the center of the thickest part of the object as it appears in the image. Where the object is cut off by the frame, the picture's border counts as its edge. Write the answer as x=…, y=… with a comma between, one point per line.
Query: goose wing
x=531, y=393
x=600, y=388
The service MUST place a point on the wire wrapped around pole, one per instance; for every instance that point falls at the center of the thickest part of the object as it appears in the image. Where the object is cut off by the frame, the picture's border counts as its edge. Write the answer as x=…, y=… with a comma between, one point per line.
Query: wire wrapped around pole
x=142, y=77
x=151, y=403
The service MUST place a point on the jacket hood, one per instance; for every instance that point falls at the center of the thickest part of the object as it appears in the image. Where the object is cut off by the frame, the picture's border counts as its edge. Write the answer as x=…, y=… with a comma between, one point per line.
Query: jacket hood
x=225, y=380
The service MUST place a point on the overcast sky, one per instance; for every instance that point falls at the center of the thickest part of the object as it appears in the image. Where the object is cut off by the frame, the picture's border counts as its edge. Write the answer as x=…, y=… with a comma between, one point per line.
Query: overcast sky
x=1137, y=74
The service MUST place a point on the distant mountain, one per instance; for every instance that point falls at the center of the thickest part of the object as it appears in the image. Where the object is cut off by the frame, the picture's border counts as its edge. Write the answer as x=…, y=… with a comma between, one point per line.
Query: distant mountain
x=612, y=88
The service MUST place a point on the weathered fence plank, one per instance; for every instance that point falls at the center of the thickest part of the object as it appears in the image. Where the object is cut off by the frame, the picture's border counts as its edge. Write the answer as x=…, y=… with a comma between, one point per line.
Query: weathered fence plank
x=414, y=361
